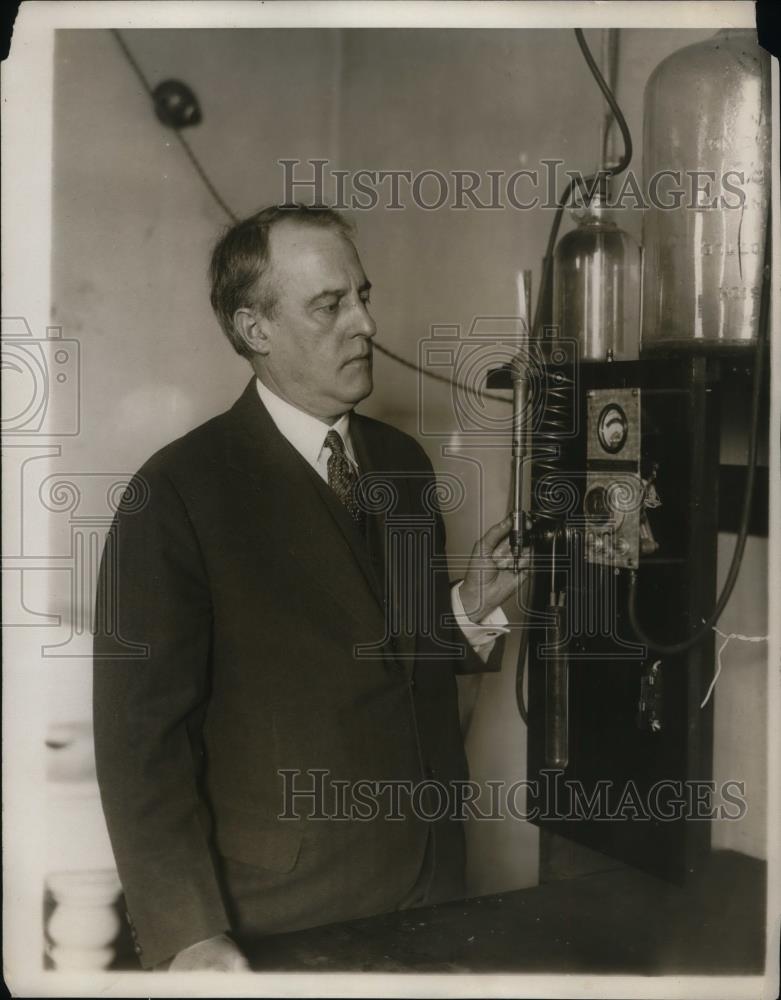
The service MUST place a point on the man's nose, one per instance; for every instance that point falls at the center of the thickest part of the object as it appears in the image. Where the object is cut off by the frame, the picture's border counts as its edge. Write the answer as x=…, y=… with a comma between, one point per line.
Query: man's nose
x=361, y=322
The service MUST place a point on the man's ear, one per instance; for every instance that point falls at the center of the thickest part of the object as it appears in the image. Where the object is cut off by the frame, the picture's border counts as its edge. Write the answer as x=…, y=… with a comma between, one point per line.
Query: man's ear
x=253, y=328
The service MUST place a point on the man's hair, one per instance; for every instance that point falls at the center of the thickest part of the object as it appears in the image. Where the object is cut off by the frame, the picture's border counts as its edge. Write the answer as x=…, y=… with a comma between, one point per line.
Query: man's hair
x=240, y=261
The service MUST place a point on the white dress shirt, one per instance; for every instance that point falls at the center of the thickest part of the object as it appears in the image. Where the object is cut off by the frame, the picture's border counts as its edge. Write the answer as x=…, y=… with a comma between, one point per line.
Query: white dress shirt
x=307, y=435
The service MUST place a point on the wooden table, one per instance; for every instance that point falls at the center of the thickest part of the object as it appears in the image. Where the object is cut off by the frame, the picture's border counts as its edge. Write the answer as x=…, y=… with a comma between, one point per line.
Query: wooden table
x=619, y=921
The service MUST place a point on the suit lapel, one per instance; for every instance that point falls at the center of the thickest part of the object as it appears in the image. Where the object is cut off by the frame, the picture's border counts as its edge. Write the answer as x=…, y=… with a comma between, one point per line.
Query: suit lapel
x=375, y=461
x=357, y=544
x=301, y=511
x=367, y=453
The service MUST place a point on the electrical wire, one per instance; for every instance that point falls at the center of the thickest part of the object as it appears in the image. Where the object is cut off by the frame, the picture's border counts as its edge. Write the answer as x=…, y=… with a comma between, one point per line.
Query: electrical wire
x=610, y=60
x=196, y=163
x=435, y=376
x=671, y=649
x=587, y=182
x=727, y=637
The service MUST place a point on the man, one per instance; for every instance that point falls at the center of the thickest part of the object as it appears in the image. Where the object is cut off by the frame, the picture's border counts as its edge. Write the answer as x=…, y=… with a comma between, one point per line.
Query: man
x=283, y=640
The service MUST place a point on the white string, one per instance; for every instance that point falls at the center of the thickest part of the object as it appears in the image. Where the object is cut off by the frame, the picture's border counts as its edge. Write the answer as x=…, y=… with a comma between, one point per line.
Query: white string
x=726, y=637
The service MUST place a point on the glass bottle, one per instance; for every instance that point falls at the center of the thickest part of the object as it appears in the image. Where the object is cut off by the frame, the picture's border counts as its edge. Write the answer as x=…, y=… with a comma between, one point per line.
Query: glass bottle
x=707, y=110
x=596, y=286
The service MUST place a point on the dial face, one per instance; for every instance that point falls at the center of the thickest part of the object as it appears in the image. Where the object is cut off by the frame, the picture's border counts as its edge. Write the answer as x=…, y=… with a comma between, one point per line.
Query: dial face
x=612, y=428
x=596, y=505
x=601, y=509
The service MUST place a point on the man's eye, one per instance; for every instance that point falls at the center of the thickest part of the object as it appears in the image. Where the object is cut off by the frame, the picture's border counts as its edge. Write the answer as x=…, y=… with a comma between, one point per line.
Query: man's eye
x=366, y=299
x=331, y=307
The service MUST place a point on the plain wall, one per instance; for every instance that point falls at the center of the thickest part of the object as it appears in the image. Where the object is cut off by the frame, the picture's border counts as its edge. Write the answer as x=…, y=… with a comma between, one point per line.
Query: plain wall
x=133, y=227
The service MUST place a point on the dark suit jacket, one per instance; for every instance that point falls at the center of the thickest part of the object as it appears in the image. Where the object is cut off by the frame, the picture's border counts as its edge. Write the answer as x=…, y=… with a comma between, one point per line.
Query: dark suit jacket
x=234, y=590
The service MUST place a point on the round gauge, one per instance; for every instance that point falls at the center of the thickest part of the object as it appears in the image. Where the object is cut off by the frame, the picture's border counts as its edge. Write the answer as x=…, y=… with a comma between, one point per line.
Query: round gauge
x=596, y=505
x=600, y=508
x=612, y=428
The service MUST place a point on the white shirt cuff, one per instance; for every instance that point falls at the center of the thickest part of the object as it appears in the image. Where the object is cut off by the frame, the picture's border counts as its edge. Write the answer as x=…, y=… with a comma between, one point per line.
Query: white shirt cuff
x=478, y=635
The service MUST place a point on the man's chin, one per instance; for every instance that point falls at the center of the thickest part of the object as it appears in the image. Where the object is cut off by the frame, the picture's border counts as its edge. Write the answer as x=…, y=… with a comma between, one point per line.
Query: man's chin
x=357, y=378
x=359, y=387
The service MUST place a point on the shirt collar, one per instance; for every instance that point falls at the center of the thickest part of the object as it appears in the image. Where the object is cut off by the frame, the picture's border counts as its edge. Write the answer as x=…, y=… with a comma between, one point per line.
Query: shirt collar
x=305, y=432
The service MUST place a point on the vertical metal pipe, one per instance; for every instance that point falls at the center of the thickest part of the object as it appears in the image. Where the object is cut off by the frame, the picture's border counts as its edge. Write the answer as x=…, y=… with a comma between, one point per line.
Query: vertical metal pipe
x=520, y=380
x=556, y=693
x=520, y=383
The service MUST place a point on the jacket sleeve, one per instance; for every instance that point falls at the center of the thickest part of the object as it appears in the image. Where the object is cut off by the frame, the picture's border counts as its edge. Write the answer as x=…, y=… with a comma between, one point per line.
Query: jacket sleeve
x=468, y=662
x=150, y=688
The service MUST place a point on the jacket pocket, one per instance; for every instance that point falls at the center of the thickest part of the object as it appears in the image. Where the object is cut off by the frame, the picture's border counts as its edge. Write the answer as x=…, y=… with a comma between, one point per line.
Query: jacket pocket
x=244, y=836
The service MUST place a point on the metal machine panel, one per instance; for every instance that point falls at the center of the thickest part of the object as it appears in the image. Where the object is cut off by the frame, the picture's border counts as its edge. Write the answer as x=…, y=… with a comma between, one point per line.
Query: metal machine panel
x=614, y=497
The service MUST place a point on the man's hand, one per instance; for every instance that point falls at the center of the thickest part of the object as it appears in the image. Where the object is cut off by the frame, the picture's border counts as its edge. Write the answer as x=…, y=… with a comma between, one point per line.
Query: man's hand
x=216, y=954
x=490, y=579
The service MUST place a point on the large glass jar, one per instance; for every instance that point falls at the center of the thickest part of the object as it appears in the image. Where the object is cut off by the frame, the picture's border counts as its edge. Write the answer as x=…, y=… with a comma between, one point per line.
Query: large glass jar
x=596, y=287
x=707, y=109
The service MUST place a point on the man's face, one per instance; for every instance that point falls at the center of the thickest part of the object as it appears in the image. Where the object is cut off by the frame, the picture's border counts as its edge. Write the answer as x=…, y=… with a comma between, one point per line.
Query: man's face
x=319, y=337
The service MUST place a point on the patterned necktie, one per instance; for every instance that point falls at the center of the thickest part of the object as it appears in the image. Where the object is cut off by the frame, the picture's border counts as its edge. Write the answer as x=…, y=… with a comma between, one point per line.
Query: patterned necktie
x=342, y=477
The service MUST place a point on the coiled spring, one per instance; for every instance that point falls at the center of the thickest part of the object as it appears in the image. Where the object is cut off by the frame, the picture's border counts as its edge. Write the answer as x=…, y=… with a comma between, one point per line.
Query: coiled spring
x=555, y=426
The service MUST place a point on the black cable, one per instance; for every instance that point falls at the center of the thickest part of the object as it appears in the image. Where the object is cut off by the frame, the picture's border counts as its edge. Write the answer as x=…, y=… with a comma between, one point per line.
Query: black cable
x=132, y=60
x=177, y=132
x=737, y=556
x=437, y=377
x=202, y=174
x=593, y=179
x=520, y=673
x=612, y=57
x=625, y=160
